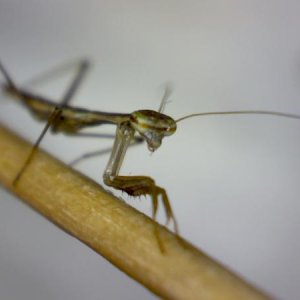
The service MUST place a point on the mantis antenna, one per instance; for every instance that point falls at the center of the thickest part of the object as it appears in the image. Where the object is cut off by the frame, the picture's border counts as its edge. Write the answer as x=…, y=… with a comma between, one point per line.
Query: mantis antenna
x=241, y=112
x=168, y=91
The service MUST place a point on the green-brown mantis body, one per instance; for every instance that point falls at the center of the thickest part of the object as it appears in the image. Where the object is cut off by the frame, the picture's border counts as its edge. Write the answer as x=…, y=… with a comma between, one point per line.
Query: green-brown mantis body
x=151, y=126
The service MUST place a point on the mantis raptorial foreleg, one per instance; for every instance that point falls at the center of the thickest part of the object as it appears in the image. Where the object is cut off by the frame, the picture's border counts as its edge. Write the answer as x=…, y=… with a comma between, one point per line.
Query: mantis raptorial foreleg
x=142, y=186
x=135, y=185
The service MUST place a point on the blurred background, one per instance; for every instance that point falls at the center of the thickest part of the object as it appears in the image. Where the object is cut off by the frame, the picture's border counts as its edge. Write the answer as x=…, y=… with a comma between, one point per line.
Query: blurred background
x=233, y=181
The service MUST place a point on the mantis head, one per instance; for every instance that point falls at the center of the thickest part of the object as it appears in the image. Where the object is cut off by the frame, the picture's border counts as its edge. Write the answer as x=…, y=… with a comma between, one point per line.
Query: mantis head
x=153, y=126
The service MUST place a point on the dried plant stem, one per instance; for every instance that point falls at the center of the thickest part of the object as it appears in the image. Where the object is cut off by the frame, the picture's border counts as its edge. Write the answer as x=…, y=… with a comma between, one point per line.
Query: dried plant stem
x=115, y=230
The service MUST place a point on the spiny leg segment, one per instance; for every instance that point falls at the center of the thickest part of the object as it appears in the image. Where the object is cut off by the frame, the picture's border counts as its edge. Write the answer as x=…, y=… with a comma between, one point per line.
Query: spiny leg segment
x=142, y=186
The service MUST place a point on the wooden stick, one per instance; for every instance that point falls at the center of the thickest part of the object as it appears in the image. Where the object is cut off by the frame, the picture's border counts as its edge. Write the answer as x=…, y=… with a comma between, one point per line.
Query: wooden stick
x=115, y=230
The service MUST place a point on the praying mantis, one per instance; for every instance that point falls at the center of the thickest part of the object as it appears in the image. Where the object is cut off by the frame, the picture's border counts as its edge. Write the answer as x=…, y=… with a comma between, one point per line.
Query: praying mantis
x=131, y=128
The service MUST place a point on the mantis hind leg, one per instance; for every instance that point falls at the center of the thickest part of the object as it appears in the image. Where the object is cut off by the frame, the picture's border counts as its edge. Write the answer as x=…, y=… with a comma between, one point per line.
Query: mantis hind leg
x=45, y=110
x=143, y=185
x=41, y=107
x=54, y=116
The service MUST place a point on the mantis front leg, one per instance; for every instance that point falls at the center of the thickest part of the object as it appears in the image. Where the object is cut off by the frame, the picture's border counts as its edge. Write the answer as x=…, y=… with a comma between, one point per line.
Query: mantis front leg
x=134, y=185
